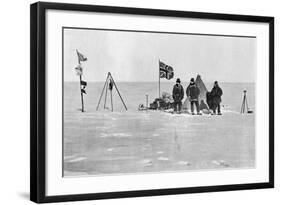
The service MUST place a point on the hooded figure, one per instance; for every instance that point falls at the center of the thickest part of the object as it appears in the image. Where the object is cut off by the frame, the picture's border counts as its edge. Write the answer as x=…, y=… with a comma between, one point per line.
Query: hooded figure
x=178, y=95
x=193, y=93
x=216, y=94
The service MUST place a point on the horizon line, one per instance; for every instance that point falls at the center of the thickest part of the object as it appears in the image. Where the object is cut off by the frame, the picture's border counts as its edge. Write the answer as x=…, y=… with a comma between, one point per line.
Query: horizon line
x=70, y=81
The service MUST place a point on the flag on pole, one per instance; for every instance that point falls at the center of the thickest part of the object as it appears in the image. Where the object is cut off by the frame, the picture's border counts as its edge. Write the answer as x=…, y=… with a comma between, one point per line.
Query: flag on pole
x=84, y=83
x=165, y=71
x=81, y=57
x=83, y=90
x=79, y=70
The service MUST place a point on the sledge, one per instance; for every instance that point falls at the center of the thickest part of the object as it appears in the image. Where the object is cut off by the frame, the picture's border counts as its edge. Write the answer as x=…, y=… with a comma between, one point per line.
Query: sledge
x=142, y=108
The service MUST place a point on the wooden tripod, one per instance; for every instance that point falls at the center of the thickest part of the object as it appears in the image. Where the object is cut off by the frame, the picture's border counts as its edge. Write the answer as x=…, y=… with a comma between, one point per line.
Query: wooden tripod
x=109, y=85
x=244, y=104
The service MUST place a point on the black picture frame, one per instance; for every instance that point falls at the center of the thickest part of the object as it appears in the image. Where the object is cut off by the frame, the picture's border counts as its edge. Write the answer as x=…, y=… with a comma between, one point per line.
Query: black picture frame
x=38, y=101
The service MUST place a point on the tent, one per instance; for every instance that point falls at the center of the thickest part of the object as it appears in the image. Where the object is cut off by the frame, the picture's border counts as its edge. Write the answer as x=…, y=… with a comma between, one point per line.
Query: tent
x=203, y=91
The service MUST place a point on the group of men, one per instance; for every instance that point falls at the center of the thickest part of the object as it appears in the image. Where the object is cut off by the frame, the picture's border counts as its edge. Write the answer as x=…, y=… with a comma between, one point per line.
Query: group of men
x=193, y=92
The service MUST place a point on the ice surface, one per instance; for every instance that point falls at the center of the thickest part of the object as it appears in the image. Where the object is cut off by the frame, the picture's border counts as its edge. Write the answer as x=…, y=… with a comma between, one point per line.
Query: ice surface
x=103, y=142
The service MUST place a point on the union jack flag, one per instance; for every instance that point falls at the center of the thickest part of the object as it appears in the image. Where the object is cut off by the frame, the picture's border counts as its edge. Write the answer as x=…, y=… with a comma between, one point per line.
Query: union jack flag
x=165, y=71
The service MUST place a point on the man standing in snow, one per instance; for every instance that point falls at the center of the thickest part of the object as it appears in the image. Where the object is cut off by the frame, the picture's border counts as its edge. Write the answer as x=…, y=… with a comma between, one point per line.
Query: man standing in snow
x=216, y=94
x=178, y=95
x=193, y=93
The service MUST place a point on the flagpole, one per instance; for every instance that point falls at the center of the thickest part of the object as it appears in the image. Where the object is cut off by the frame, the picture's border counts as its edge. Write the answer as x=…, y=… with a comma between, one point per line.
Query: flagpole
x=80, y=78
x=82, y=101
x=159, y=76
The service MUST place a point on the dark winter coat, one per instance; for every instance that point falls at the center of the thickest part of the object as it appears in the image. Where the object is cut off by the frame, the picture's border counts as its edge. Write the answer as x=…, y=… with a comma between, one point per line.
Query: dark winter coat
x=192, y=92
x=216, y=94
x=178, y=93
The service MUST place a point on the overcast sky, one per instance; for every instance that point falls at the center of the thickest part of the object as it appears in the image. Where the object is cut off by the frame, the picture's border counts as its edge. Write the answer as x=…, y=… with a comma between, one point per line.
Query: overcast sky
x=133, y=56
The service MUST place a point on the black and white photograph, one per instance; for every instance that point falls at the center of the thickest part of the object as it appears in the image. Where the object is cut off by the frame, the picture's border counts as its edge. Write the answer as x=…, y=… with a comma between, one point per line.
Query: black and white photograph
x=134, y=102
x=140, y=102
x=152, y=102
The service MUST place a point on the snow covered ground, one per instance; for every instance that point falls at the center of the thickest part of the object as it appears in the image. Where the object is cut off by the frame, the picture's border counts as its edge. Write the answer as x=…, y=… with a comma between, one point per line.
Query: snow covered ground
x=104, y=142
